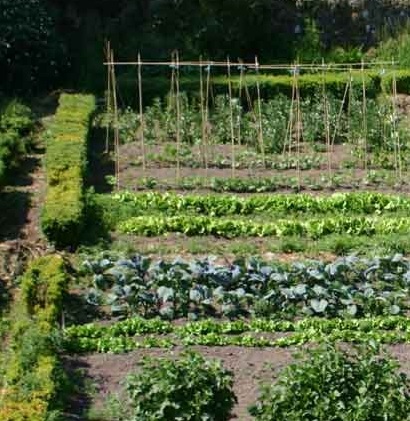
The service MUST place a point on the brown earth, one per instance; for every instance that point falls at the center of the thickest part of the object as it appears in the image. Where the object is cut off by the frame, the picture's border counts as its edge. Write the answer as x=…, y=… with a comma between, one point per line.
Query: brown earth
x=251, y=367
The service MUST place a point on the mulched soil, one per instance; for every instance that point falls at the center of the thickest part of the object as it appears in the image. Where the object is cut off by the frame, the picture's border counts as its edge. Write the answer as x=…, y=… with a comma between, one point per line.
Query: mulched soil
x=251, y=367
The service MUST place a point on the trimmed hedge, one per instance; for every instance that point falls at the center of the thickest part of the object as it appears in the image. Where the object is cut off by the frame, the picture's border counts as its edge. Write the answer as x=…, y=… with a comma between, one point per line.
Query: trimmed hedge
x=309, y=84
x=270, y=85
x=62, y=218
x=34, y=377
x=402, y=81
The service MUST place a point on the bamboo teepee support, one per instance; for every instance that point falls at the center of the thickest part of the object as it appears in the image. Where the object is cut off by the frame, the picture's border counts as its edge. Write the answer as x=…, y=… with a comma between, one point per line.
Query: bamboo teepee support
x=108, y=98
x=116, y=124
x=326, y=124
x=289, y=129
x=298, y=127
x=178, y=109
x=260, y=126
x=141, y=115
x=231, y=119
x=204, y=120
x=396, y=134
x=364, y=115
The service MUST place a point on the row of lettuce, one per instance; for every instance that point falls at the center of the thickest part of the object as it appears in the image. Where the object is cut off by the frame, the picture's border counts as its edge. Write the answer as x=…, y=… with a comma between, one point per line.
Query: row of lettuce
x=34, y=379
x=137, y=333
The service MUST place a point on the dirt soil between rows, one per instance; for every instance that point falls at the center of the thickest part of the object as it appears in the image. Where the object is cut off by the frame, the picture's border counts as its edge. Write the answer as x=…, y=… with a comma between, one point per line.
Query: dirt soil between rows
x=251, y=367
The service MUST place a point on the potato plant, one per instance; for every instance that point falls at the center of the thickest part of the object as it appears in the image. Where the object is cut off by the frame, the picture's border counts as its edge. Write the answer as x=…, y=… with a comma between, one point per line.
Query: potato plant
x=185, y=388
x=334, y=384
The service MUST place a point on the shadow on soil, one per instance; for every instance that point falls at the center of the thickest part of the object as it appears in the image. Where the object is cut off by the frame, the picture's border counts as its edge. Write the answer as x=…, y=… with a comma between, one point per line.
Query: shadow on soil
x=100, y=164
x=14, y=207
x=80, y=387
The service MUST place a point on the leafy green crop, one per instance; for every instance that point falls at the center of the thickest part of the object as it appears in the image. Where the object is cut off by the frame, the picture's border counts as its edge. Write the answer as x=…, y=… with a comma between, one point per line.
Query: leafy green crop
x=138, y=333
x=222, y=205
x=332, y=384
x=151, y=226
x=187, y=388
x=347, y=287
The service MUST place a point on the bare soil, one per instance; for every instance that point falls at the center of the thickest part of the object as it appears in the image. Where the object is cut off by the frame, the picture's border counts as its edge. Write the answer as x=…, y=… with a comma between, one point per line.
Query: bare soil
x=250, y=366
x=20, y=235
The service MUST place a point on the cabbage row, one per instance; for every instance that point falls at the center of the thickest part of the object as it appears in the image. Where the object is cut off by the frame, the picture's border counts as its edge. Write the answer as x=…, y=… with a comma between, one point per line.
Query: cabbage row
x=348, y=287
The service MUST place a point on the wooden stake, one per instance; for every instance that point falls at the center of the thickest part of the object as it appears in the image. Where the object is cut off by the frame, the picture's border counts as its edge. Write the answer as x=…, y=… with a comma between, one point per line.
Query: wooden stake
x=289, y=130
x=116, y=123
x=298, y=128
x=108, y=99
x=203, y=120
x=231, y=119
x=326, y=124
x=208, y=84
x=260, y=133
x=397, y=146
x=141, y=112
x=339, y=116
x=364, y=111
x=240, y=104
x=178, y=134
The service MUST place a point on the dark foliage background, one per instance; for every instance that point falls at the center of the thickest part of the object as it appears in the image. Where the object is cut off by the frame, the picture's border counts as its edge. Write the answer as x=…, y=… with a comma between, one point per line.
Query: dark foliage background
x=55, y=42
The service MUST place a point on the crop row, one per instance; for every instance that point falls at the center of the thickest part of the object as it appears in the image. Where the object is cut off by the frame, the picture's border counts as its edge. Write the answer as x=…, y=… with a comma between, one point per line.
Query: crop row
x=222, y=205
x=348, y=287
x=151, y=226
x=121, y=336
x=271, y=184
x=139, y=326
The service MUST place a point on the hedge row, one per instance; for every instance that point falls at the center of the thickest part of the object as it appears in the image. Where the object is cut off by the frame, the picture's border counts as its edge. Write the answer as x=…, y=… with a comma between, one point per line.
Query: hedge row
x=66, y=157
x=16, y=123
x=34, y=377
x=309, y=84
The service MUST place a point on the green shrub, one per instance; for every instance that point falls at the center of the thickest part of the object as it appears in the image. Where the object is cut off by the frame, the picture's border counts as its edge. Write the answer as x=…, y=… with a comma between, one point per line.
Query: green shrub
x=34, y=377
x=334, y=384
x=16, y=123
x=66, y=157
x=43, y=287
x=402, y=81
x=189, y=388
x=270, y=85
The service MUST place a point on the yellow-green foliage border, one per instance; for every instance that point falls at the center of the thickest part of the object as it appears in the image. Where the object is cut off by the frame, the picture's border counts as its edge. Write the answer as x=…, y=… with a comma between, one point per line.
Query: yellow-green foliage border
x=34, y=376
x=66, y=158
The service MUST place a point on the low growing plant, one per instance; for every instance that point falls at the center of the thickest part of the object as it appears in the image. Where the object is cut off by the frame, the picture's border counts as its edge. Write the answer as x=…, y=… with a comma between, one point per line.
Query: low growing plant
x=330, y=383
x=188, y=388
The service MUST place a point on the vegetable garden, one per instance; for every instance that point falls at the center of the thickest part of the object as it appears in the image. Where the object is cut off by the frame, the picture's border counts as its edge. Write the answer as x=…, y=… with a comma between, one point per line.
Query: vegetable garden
x=188, y=245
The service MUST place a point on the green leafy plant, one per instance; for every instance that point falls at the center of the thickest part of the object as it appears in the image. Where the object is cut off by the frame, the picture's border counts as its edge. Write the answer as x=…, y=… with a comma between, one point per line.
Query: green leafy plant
x=186, y=388
x=331, y=383
x=16, y=124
